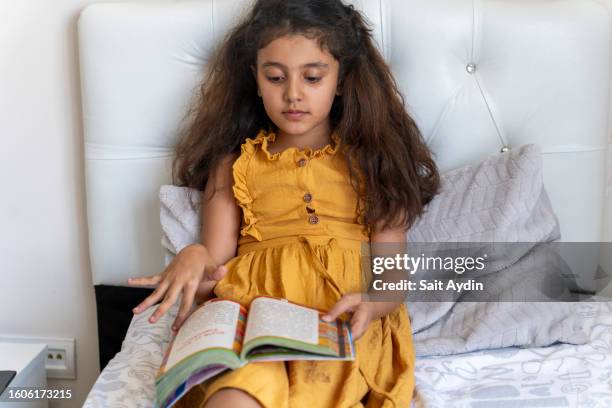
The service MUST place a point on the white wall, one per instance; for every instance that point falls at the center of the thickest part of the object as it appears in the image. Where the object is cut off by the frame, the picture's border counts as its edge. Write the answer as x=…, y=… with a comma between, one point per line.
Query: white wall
x=608, y=206
x=46, y=287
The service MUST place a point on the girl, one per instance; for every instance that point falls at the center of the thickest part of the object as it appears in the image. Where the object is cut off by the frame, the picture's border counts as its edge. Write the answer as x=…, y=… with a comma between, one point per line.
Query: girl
x=305, y=153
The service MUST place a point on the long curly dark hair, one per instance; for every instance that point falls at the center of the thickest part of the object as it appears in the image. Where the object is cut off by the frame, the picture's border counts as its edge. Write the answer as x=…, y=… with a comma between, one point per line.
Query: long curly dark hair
x=390, y=166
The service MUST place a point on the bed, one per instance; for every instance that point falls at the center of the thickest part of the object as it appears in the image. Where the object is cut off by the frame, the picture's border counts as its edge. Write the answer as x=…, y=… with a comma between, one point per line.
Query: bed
x=479, y=77
x=561, y=375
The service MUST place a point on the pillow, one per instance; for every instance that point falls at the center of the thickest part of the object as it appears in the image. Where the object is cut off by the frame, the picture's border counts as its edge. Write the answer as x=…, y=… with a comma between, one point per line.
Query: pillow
x=501, y=199
x=179, y=217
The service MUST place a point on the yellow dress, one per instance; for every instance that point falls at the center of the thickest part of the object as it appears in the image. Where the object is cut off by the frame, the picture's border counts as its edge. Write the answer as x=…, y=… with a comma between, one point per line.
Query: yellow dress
x=300, y=240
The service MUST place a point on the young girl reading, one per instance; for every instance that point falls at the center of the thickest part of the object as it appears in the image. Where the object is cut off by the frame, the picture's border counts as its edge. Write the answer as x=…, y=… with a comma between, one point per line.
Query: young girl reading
x=304, y=151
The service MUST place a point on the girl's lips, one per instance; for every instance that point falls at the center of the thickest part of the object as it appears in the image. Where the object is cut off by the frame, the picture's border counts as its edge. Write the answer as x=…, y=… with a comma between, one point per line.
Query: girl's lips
x=294, y=115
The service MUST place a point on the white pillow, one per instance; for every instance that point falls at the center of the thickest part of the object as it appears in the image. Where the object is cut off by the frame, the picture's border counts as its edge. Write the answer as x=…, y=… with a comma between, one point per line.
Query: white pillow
x=179, y=217
x=501, y=199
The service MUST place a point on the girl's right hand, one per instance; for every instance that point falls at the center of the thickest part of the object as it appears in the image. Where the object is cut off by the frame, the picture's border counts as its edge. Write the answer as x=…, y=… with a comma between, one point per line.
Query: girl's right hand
x=190, y=267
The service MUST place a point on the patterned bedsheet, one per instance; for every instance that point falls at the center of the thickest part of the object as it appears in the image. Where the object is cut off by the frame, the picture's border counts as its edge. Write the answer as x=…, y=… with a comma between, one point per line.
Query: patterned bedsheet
x=561, y=375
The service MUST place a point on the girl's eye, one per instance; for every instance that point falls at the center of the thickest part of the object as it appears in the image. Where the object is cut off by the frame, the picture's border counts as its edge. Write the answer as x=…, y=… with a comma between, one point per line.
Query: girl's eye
x=274, y=79
x=277, y=79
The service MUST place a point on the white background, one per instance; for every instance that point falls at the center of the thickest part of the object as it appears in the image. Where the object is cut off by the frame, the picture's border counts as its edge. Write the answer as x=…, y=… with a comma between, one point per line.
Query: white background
x=46, y=287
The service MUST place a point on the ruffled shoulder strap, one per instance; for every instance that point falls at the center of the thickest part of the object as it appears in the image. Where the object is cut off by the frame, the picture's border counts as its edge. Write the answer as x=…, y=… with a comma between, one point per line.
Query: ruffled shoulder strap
x=241, y=191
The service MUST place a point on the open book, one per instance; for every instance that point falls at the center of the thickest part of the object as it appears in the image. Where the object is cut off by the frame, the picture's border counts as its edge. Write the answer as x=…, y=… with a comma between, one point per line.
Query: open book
x=222, y=334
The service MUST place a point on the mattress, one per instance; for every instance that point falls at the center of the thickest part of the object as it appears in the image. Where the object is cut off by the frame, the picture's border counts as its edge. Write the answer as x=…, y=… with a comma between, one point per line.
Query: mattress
x=560, y=375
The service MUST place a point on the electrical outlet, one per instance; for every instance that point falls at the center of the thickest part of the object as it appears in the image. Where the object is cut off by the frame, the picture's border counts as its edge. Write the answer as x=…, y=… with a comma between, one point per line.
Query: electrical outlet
x=56, y=358
x=60, y=362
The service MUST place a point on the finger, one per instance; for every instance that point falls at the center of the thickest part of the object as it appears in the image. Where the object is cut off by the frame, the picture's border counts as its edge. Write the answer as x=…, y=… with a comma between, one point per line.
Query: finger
x=152, y=298
x=220, y=272
x=186, y=304
x=215, y=273
x=346, y=303
x=205, y=291
x=145, y=280
x=358, y=325
x=168, y=301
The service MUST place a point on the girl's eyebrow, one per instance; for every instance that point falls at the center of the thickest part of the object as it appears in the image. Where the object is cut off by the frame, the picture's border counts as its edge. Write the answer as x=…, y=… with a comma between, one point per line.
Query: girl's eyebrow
x=309, y=65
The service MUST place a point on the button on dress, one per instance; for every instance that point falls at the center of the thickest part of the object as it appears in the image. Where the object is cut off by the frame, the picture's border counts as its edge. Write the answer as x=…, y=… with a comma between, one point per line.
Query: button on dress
x=300, y=239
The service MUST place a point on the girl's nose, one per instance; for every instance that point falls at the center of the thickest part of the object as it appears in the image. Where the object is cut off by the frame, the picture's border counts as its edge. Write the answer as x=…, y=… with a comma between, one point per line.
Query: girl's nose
x=293, y=91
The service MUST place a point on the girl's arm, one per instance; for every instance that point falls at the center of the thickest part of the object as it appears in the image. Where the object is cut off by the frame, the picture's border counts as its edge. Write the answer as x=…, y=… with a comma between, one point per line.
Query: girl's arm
x=388, y=243
x=221, y=218
x=197, y=267
x=383, y=243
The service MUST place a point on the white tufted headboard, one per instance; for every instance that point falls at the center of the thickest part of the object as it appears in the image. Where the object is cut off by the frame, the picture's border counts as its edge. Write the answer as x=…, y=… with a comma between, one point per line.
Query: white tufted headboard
x=476, y=75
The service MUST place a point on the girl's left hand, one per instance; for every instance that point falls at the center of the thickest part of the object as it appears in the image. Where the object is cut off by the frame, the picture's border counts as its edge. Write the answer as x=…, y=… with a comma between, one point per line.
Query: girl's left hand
x=362, y=312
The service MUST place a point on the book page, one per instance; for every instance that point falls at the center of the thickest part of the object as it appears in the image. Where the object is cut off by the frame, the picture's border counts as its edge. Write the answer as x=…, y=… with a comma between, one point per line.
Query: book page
x=272, y=317
x=212, y=325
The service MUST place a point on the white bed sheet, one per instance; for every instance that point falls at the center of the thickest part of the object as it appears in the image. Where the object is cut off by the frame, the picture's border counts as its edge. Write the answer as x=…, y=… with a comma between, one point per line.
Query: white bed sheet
x=561, y=375
x=557, y=376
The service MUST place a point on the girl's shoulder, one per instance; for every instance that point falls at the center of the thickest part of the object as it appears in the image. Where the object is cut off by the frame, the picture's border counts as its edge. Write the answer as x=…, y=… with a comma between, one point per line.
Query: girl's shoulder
x=247, y=151
x=250, y=143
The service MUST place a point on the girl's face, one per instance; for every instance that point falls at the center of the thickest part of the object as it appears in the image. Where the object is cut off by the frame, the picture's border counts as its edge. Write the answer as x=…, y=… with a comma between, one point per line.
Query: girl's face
x=297, y=81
